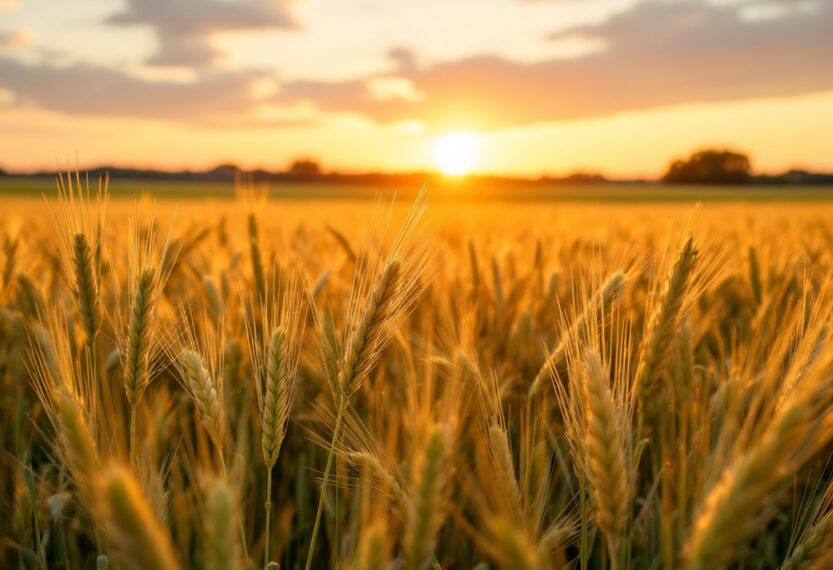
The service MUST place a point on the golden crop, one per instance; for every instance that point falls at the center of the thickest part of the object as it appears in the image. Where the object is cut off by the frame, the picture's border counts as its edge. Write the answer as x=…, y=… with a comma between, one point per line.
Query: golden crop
x=339, y=384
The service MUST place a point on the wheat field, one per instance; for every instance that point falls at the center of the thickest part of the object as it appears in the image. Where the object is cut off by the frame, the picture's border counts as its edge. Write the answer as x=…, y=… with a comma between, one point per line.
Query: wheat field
x=350, y=384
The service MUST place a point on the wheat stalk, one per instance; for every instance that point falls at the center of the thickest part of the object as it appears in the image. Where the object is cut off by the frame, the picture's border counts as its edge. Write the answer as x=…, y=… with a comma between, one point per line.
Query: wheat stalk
x=816, y=547
x=86, y=287
x=374, y=549
x=513, y=548
x=137, y=357
x=275, y=369
x=367, y=339
x=206, y=393
x=370, y=462
x=222, y=551
x=137, y=537
x=556, y=361
x=77, y=440
x=256, y=256
x=664, y=318
x=371, y=322
x=738, y=504
x=277, y=397
x=503, y=464
x=605, y=455
x=425, y=517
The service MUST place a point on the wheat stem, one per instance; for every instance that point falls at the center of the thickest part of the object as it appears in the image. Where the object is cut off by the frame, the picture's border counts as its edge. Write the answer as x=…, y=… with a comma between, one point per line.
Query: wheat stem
x=134, y=531
x=661, y=326
x=268, y=506
x=324, y=483
x=556, y=361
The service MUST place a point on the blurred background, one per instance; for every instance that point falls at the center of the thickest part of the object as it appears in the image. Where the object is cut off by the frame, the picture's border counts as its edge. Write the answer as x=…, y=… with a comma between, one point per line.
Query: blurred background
x=394, y=92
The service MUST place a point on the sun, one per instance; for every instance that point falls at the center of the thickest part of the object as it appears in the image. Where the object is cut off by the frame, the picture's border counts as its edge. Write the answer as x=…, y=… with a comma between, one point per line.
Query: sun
x=455, y=154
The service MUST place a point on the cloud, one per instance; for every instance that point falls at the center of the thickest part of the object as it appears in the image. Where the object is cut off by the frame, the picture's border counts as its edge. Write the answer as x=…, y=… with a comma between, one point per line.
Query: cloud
x=183, y=27
x=15, y=40
x=89, y=90
x=656, y=53
x=403, y=58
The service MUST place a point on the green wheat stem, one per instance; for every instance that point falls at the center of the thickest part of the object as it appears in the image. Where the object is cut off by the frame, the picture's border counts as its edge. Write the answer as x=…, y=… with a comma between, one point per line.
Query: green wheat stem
x=324, y=483
x=132, y=449
x=268, y=505
x=242, y=526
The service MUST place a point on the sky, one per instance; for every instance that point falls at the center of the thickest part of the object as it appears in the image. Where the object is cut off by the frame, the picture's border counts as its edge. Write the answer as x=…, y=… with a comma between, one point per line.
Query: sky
x=538, y=87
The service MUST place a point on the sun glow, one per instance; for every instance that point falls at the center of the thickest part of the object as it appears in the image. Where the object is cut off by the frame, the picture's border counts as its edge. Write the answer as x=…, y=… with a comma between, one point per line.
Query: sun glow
x=456, y=154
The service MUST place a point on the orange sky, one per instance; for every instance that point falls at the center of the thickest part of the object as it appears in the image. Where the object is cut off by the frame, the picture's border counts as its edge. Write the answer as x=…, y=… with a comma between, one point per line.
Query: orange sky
x=546, y=86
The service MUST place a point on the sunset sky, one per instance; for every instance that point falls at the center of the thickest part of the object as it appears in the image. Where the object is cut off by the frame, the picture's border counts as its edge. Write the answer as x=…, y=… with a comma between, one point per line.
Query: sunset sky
x=542, y=86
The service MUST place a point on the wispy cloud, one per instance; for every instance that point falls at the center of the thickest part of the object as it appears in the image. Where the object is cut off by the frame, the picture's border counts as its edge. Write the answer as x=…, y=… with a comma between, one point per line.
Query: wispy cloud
x=89, y=90
x=16, y=39
x=656, y=53
x=183, y=28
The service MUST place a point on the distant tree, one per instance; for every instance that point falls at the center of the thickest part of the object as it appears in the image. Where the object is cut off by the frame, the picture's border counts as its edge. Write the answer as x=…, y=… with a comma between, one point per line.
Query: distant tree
x=710, y=167
x=305, y=168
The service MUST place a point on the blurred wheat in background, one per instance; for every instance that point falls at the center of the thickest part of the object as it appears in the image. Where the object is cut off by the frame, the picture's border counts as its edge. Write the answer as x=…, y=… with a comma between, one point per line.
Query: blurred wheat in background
x=252, y=384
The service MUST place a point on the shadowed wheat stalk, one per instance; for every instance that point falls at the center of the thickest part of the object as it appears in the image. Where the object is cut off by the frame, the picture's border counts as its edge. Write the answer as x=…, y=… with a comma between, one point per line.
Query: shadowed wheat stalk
x=604, y=458
x=206, y=391
x=275, y=352
x=138, y=538
x=556, y=361
x=222, y=551
x=379, y=302
x=139, y=338
x=664, y=318
x=738, y=504
x=397, y=434
x=425, y=517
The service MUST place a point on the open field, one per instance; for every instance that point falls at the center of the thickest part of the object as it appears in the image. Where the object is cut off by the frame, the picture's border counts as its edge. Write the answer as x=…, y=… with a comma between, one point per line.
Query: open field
x=449, y=191
x=337, y=383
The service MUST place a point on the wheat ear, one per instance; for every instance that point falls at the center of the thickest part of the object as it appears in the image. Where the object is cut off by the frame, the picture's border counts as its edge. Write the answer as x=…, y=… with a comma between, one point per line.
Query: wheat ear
x=86, y=286
x=365, y=341
x=816, y=547
x=374, y=549
x=393, y=295
x=206, y=394
x=257, y=257
x=373, y=467
x=136, y=535
x=735, y=509
x=78, y=446
x=513, y=548
x=661, y=325
x=363, y=349
x=222, y=550
x=504, y=466
x=425, y=517
x=137, y=359
x=605, y=464
x=277, y=397
x=556, y=361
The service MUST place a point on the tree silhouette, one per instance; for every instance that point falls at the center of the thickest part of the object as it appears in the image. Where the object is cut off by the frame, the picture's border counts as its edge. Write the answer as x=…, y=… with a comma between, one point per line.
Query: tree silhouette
x=710, y=167
x=305, y=168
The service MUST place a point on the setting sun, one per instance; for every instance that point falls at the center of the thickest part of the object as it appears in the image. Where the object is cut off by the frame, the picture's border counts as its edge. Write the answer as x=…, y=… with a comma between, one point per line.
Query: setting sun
x=455, y=154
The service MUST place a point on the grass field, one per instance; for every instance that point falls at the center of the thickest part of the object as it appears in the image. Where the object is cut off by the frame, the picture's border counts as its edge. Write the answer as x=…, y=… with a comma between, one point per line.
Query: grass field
x=318, y=383
x=451, y=190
